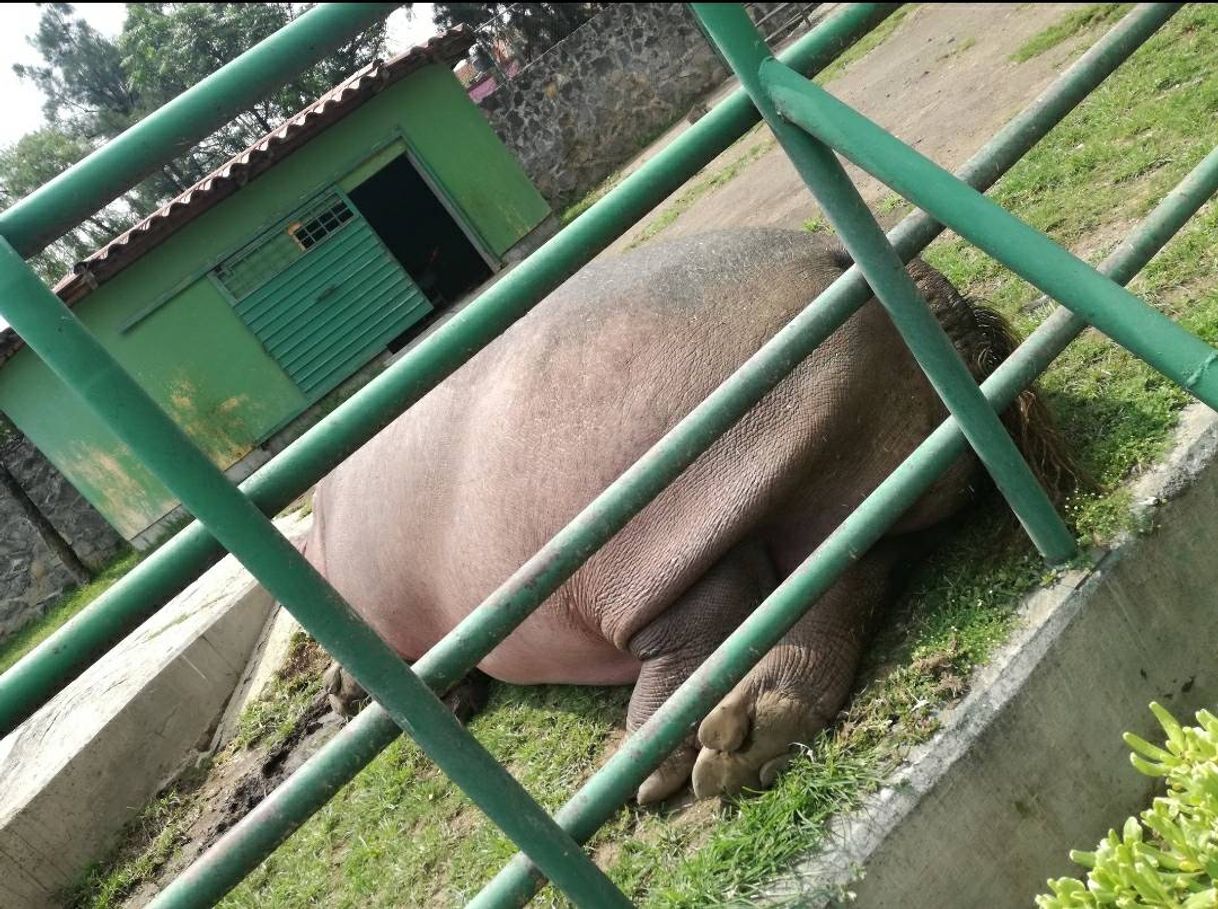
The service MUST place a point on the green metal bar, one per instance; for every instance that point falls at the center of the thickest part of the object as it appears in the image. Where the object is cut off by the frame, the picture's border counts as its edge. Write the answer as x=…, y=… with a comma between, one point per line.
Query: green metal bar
x=79, y=359
x=1136, y=326
x=306, y=791
x=1062, y=326
x=59, y=205
x=33, y=680
x=746, y=52
x=617, y=780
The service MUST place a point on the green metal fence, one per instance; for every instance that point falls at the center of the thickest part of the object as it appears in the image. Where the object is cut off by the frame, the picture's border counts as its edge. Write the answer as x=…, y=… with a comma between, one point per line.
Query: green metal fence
x=811, y=125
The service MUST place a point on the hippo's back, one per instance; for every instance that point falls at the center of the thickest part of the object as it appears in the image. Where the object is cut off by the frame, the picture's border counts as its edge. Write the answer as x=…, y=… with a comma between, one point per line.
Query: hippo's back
x=442, y=506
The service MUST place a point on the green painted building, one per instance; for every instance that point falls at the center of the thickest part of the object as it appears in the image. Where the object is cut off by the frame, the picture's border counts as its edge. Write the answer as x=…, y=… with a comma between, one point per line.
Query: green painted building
x=305, y=260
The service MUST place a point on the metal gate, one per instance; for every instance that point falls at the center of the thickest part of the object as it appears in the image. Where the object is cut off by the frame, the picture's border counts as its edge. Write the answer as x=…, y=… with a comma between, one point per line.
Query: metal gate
x=811, y=126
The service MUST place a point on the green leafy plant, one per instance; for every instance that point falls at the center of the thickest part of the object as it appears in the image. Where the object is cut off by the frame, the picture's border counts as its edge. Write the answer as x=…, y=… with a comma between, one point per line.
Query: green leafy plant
x=1168, y=856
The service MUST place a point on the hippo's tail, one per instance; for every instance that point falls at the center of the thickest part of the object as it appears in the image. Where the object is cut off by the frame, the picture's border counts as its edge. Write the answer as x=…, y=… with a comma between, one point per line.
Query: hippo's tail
x=984, y=339
x=1028, y=420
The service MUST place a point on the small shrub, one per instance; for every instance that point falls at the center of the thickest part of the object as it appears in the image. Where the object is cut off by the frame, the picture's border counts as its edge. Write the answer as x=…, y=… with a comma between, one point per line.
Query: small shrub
x=1169, y=855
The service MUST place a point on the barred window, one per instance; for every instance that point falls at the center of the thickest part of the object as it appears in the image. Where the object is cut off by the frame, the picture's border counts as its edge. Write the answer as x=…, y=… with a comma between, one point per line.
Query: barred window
x=310, y=233
x=246, y=271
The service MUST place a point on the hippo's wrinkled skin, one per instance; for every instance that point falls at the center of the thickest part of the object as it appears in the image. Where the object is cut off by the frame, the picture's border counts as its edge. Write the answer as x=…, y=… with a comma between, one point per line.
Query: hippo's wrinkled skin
x=441, y=507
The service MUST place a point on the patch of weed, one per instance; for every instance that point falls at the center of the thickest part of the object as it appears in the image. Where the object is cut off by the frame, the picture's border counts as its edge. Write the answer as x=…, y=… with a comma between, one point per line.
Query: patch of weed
x=427, y=845
x=595, y=195
x=271, y=719
x=864, y=45
x=145, y=845
x=1070, y=25
x=700, y=188
x=959, y=48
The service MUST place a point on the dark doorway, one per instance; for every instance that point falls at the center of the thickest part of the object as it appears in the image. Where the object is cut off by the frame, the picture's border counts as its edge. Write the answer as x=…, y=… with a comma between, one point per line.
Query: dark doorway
x=420, y=232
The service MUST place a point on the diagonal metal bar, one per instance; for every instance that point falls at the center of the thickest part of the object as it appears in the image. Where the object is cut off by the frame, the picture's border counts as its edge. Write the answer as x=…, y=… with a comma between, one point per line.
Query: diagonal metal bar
x=59, y=205
x=746, y=52
x=639, y=755
x=166, y=572
x=297, y=798
x=1132, y=323
x=79, y=359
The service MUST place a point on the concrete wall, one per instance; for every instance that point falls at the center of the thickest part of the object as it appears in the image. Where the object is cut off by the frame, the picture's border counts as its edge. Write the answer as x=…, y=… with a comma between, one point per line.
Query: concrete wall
x=30, y=574
x=586, y=106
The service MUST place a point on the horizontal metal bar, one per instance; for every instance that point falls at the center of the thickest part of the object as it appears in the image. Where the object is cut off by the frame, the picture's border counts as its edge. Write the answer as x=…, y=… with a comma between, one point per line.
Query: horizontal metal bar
x=85, y=366
x=617, y=780
x=1132, y=323
x=306, y=791
x=62, y=203
x=62, y=657
x=745, y=50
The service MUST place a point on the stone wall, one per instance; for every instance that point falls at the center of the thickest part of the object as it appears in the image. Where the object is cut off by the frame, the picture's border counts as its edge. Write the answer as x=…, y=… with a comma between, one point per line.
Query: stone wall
x=31, y=576
x=590, y=103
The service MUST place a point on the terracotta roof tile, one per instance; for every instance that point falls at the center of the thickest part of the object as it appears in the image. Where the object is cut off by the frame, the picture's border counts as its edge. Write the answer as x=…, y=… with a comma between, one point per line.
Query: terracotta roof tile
x=101, y=265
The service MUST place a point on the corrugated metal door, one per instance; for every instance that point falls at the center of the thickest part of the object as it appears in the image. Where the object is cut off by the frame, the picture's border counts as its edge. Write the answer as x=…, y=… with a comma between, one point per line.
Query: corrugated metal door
x=322, y=294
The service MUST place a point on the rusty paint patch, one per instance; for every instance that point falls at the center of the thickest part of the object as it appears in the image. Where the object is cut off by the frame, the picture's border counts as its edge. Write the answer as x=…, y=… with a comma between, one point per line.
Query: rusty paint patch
x=109, y=480
x=220, y=430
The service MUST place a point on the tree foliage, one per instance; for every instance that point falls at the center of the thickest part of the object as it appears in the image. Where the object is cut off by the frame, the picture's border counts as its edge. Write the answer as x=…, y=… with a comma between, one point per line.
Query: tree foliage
x=526, y=29
x=95, y=87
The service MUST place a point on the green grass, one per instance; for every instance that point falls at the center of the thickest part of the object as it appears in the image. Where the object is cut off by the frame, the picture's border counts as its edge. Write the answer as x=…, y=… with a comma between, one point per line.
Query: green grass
x=864, y=45
x=21, y=642
x=146, y=844
x=702, y=186
x=271, y=719
x=595, y=195
x=399, y=833
x=959, y=48
x=1070, y=25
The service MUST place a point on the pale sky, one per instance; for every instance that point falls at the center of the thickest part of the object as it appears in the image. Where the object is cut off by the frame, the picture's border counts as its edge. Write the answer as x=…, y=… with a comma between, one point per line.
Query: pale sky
x=23, y=102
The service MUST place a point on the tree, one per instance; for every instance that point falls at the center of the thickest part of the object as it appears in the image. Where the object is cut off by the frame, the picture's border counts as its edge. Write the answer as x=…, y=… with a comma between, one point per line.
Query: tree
x=95, y=88
x=32, y=161
x=526, y=29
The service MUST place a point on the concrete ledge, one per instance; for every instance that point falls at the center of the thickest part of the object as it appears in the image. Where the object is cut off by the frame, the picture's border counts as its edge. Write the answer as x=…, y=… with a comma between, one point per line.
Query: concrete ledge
x=1031, y=763
x=87, y=762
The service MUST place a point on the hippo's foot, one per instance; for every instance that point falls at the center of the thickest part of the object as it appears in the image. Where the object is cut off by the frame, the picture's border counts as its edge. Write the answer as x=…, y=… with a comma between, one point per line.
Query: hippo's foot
x=750, y=737
x=347, y=697
x=469, y=695
x=669, y=777
x=796, y=689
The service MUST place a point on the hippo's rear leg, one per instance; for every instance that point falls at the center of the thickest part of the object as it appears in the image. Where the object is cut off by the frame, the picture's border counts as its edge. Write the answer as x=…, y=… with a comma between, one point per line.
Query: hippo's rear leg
x=796, y=689
x=681, y=638
x=347, y=697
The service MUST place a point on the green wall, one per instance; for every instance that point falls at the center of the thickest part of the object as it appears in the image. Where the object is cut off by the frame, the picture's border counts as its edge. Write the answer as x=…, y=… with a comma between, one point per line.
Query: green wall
x=170, y=326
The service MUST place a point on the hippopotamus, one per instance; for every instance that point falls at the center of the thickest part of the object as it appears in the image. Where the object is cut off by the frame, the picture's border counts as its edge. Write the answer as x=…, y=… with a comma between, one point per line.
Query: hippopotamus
x=440, y=508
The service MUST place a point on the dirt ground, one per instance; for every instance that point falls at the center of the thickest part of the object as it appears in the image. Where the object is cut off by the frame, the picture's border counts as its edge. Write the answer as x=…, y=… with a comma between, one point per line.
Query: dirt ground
x=942, y=82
